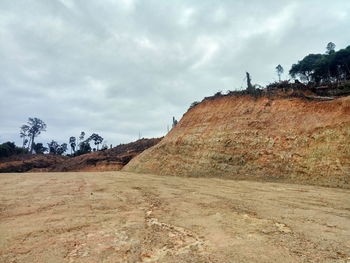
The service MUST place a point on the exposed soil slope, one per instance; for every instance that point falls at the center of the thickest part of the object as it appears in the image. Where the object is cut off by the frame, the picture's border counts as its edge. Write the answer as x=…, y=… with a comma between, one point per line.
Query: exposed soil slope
x=108, y=160
x=269, y=138
x=122, y=217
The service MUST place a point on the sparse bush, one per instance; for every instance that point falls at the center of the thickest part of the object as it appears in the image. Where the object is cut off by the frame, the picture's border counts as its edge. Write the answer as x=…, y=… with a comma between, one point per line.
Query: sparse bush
x=9, y=148
x=193, y=104
x=84, y=147
x=39, y=148
x=174, y=122
x=55, y=148
x=104, y=147
x=218, y=94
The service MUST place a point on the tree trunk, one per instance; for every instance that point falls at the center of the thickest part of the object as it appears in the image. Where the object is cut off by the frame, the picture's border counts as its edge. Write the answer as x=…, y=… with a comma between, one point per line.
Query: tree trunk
x=32, y=145
x=29, y=142
x=250, y=87
x=347, y=68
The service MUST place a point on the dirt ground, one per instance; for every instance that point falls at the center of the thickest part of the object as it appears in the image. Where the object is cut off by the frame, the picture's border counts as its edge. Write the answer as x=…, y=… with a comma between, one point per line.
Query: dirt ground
x=125, y=217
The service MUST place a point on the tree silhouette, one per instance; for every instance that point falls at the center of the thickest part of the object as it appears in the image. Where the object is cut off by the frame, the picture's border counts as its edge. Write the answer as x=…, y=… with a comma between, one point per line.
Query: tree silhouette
x=62, y=149
x=57, y=149
x=174, y=122
x=250, y=87
x=73, y=143
x=331, y=67
x=279, y=70
x=39, y=148
x=24, y=134
x=97, y=139
x=32, y=129
x=330, y=48
x=81, y=136
x=84, y=147
x=9, y=148
x=306, y=67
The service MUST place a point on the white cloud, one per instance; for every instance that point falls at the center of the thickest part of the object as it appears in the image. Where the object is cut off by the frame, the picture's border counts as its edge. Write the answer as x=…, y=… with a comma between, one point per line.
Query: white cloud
x=68, y=3
x=120, y=67
x=207, y=48
x=187, y=17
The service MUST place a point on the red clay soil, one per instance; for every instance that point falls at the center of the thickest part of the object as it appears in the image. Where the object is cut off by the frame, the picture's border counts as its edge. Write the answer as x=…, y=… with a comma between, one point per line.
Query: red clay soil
x=265, y=138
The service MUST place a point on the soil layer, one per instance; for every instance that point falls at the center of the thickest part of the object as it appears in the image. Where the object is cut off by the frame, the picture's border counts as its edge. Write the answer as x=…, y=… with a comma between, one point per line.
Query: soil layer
x=265, y=138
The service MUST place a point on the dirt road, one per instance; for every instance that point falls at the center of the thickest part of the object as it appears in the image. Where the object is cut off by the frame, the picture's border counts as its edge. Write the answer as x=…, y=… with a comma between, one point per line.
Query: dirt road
x=124, y=217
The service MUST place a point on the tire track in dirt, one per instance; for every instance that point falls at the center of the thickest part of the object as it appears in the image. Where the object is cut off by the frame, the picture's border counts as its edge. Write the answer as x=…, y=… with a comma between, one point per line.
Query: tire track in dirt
x=179, y=240
x=132, y=218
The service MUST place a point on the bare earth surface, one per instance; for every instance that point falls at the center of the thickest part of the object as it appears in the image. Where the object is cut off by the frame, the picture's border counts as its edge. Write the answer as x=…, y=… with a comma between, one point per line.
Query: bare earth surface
x=125, y=217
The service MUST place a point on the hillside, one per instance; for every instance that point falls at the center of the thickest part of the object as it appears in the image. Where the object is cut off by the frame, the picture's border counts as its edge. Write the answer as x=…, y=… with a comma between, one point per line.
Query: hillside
x=107, y=160
x=267, y=138
x=27, y=162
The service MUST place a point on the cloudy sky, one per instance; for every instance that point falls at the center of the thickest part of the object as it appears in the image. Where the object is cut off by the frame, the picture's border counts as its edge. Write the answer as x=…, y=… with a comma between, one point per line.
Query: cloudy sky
x=120, y=67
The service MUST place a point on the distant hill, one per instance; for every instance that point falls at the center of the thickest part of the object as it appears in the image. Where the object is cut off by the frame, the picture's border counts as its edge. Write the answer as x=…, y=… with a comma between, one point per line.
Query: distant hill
x=29, y=162
x=106, y=160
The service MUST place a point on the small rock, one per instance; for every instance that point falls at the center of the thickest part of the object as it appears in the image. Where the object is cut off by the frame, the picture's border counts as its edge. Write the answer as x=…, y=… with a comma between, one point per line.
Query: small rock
x=283, y=228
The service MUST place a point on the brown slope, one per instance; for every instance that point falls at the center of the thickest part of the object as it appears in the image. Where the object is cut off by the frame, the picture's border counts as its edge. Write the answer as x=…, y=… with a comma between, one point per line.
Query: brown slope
x=107, y=160
x=287, y=139
x=29, y=162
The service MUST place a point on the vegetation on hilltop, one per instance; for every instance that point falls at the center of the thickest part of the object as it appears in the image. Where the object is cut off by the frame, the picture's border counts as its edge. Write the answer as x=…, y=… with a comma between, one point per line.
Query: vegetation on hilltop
x=9, y=148
x=333, y=66
x=34, y=127
x=315, y=75
x=109, y=159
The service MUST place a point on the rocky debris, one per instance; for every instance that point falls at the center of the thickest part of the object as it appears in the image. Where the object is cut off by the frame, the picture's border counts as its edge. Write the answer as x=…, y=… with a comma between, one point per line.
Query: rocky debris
x=322, y=98
x=283, y=228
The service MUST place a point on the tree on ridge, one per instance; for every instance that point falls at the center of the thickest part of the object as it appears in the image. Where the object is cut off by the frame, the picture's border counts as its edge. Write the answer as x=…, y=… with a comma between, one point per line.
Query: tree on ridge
x=32, y=129
x=279, y=70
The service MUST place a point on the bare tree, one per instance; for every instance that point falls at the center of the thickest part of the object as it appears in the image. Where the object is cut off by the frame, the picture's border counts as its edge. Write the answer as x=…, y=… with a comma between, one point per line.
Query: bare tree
x=250, y=87
x=24, y=134
x=73, y=143
x=174, y=122
x=279, y=70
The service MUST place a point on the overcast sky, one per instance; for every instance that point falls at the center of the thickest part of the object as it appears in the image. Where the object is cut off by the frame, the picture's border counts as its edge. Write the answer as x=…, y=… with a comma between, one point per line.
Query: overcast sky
x=120, y=67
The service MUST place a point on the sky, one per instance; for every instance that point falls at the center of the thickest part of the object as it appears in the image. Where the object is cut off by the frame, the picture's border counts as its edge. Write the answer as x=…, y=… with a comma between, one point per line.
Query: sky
x=124, y=68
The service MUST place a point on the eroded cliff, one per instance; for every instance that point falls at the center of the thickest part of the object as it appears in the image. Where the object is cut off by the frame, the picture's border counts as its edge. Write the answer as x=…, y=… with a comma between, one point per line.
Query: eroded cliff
x=285, y=139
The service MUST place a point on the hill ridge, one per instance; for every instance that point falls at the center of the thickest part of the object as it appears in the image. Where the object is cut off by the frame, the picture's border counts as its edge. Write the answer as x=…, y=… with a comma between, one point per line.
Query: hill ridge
x=260, y=138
